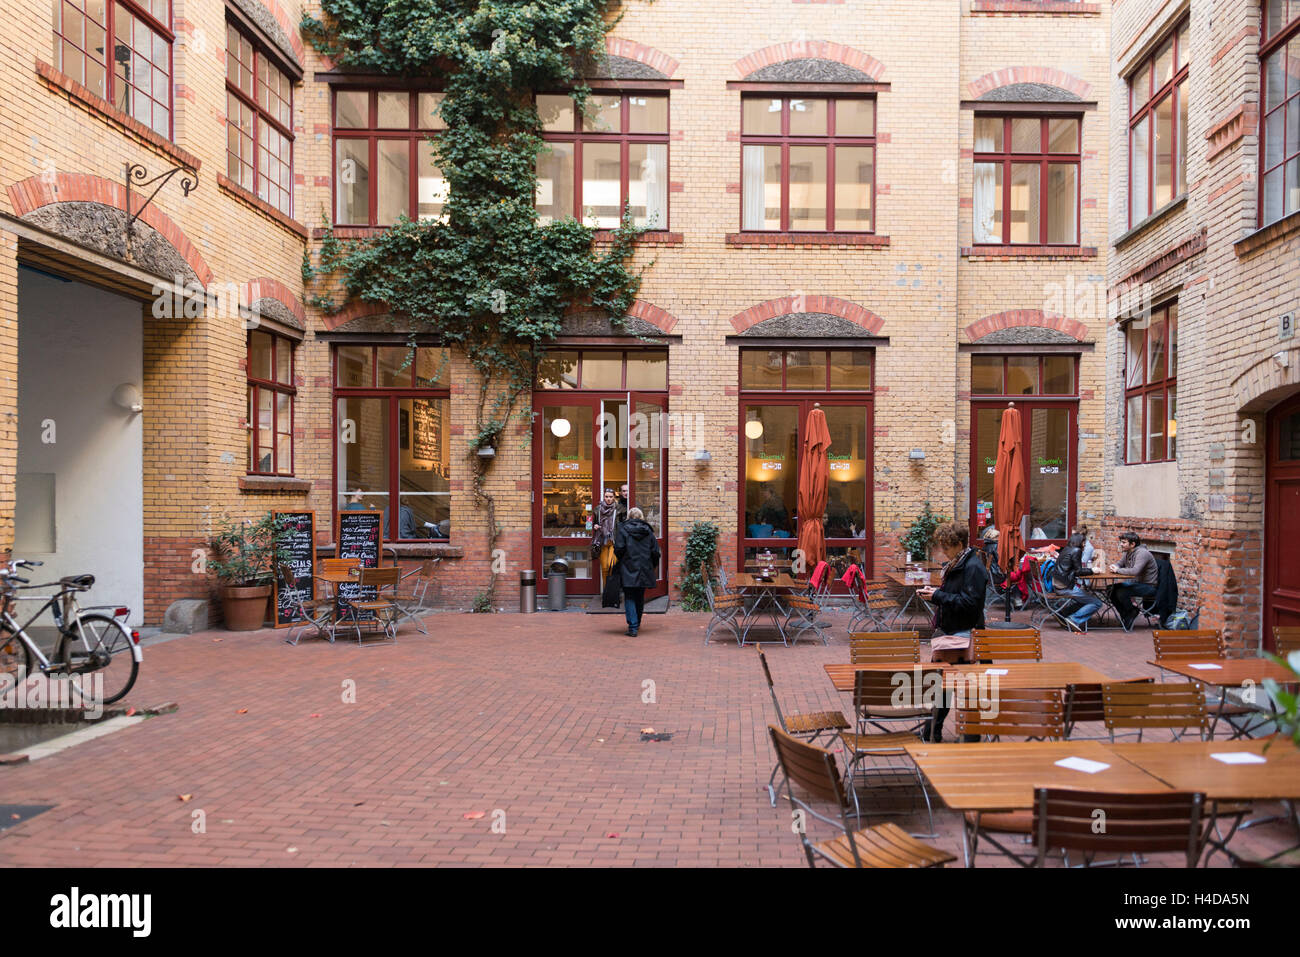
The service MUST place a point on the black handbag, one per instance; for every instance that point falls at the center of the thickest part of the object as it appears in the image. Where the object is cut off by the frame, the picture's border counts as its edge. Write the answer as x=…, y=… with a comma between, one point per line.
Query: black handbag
x=612, y=595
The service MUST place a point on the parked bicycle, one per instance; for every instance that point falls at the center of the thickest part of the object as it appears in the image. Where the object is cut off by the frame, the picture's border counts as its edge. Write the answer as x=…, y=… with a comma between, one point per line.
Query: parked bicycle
x=89, y=640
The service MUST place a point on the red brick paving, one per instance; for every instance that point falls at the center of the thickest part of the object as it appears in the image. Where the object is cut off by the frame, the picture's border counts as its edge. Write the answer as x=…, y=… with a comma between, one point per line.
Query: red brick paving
x=535, y=716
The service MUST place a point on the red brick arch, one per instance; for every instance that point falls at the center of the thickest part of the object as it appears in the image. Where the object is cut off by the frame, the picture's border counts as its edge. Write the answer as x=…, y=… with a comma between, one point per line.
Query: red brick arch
x=809, y=49
x=265, y=287
x=1029, y=74
x=631, y=50
x=359, y=309
x=34, y=192
x=791, y=304
x=1073, y=328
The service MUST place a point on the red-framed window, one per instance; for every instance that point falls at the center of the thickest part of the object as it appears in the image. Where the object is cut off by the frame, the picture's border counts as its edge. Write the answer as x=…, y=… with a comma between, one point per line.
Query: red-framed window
x=392, y=406
x=1150, y=387
x=1157, y=127
x=1016, y=375
x=384, y=164
x=259, y=122
x=613, y=154
x=1026, y=186
x=137, y=78
x=604, y=370
x=808, y=164
x=271, y=396
x=1279, y=122
x=779, y=388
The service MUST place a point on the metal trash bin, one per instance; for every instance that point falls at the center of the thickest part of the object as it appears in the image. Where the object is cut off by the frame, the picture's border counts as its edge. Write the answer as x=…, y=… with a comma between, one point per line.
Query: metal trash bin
x=557, y=583
x=528, y=591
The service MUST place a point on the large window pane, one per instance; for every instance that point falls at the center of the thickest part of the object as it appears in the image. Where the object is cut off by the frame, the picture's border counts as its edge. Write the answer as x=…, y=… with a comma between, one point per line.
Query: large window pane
x=601, y=203
x=647, y=114
x=556, y=112
x=1164, y=150
x=1181, y=134
x=394, y=180
x=805, y=370
x=1058, y=375
x=355, y=367
x=603, y=114
x=771, y=470
x=555, y=183
x=432, y=366
x=423, y=467
x=396, y=367
x=850, y=370
x=854, y=179
x=1062, y=203
x=1027, y=135
x=808, y=187
x=259, y=356
x=1155, y=427
x=352, y=109
x=363, y=460
x=648, y=184
x=352, y=182
x=807, y=117
x=988, y=424
x=559, y=370
x=1063, y=136
x=1172, y=440
x=428, y=116
x=762, y=187
x=1134, y=442
x=855, y=117
x=761, y=117
x=1136, y=351
x=1164, y=68
x=846, y=498
x=1140, y=171
x=988, y=134
x=1049, y=473
x=432, y=186
x=988, y=203
x=1026, y=180
x=1022, y=375
x=602, y=370
x=647, y=371
x=265, y=429
x=566, y=471
x=394, y=110
x=986, y=375
x=760, y=369
x=1156, y=350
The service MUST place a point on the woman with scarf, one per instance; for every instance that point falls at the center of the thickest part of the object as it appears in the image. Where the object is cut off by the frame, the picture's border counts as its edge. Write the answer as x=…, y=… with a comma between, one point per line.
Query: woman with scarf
x=602, y=550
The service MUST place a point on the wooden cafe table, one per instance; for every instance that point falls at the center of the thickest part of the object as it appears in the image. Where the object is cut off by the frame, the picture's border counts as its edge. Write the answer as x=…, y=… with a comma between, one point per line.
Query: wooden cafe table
x=1011, y=675
x=1099, y=583
x=767, y=601
x=1224, y=673
x=909, y=589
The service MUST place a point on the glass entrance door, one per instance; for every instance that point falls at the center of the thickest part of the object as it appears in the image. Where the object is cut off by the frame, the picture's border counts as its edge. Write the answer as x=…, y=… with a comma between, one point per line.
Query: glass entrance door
x=647, y=448
x=1049, y=437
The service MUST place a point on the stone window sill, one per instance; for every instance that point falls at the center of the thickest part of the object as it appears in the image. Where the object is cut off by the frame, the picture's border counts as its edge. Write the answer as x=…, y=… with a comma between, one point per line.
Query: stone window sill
x=273, y=483
x=656, y=237
x=806, y=239
x=1050, y=7
x=262, y=206
x=1267, y=235
x=1162, y=213
x=998, y=251
x=122, y=120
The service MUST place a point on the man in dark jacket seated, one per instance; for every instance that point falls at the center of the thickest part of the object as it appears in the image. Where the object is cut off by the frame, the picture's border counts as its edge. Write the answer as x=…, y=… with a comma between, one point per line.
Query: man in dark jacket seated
x=959, y=602
x=1065, y=581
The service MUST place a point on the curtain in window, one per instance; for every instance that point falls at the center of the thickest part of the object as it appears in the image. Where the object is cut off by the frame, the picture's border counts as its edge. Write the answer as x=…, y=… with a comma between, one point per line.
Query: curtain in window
x=653, y=173
x=754, y=186
x=988, y=203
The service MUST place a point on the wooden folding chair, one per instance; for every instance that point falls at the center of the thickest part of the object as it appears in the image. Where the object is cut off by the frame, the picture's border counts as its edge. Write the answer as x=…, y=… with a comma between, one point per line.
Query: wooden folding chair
x=882, y=647
x=728, y=610
x=1163, y=822
x=383, y=606
x=875, y=697
x=315, y=613
x=1205, y=644
x=1035, y=715
x=814, y=770
x=801, y=613
x=1083, y=702
x=413, y=606
x=1133, y=706
x=808, y=727
x=990, y=644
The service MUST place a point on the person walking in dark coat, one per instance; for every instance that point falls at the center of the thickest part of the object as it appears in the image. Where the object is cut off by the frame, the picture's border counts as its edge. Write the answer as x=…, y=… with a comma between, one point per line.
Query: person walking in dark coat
x=638, y=559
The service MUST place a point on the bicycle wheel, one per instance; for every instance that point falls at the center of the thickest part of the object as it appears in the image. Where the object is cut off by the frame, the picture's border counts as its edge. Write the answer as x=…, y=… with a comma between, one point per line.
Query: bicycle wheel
x=15, y=657
x=100, y=635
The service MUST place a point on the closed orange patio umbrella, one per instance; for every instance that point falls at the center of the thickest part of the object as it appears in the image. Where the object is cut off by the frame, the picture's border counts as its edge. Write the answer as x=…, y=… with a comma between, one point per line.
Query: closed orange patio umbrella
x=814, y=478
x=1010, y=496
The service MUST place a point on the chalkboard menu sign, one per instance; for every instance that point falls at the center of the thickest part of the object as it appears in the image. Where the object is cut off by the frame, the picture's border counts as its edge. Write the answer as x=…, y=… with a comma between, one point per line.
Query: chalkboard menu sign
x=360, y=538
x=298, y=551
x=426, y=442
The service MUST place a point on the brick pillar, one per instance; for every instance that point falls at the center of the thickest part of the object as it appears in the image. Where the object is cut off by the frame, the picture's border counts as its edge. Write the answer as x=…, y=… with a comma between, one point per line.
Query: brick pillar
x=8, y=387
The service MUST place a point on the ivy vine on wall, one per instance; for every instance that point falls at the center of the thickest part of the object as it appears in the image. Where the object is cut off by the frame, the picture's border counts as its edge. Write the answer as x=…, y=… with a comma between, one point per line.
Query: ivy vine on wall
x=489, y=280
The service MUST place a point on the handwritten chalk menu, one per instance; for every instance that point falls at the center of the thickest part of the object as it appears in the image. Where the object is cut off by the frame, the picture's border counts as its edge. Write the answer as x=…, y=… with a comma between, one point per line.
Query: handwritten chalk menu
x=360, y=538
x=298, y=551
x=426, y=437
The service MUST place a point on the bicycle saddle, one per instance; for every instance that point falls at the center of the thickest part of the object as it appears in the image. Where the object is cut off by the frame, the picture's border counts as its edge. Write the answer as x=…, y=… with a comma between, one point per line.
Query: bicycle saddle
x=78, y=581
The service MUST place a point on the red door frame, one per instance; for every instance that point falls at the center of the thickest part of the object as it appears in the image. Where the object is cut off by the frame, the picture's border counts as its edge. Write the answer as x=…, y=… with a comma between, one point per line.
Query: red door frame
x=595, y=401
x=805, y=402
x=1277, y=471
x=1071, y=404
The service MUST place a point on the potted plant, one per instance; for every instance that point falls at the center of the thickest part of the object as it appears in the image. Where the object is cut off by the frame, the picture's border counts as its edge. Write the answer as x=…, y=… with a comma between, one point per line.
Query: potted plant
x=243, y=561
x=916, y=540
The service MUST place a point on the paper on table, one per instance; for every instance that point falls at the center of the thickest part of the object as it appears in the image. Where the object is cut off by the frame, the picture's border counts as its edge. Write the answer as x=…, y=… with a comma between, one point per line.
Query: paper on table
x=1239, y=757
x=996, y=671
x=1207, y=667
x=1082, y=764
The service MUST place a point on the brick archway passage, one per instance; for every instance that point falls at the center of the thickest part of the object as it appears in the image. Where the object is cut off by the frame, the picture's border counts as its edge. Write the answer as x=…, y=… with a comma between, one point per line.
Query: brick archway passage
x=1026, y=317
x=34, y=192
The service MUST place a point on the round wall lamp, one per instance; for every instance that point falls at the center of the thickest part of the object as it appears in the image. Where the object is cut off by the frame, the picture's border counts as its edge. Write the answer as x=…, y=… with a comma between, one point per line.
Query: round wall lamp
x=127, y=396
x=560, y=427
x=754, y=429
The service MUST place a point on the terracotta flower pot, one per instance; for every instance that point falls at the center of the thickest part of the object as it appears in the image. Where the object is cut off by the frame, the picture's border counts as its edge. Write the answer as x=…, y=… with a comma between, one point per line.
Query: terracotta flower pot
x=244, y=606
